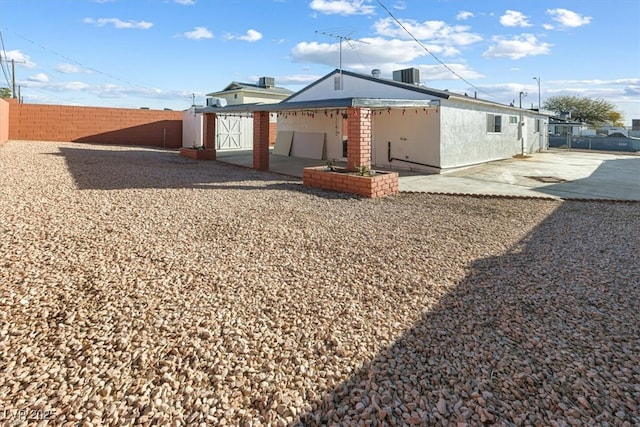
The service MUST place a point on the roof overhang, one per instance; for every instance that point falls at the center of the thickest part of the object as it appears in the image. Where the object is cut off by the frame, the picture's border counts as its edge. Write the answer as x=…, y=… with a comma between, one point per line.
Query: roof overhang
x=324, y=104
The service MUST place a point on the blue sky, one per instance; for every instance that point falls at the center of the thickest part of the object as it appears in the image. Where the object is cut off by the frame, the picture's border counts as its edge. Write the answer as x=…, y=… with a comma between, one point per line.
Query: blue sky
x=161, y=53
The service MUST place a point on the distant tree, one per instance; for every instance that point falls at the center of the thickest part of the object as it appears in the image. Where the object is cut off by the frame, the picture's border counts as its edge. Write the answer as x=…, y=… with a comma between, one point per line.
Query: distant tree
x=5, y=92
x=594, y=111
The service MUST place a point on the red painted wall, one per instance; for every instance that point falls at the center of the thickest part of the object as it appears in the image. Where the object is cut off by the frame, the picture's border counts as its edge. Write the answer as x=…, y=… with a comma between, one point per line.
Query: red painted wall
x=119, y=126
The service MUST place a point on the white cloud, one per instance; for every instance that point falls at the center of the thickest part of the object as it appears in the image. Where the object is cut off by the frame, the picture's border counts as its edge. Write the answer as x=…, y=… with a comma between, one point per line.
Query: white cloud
x=385, y=54
x=198, y=33
x=517, y=47
x=57, y=86
x=298, y=79
x=568, y=18
x=435, y=31
x=463, y=15
x=513, y=18
x=118, y=23
x=40, y=77
x=70, y=69
x=630, y=81
x=438, y=72
x=342, y=7
x=185, y=2
x=400, y=5
x=251, y=36
x=21, y=60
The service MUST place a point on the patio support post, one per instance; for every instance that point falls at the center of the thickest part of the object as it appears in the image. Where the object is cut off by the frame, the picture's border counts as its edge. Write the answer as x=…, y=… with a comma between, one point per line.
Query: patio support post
x=359, y=137
x=209, y=130
x=261, y=133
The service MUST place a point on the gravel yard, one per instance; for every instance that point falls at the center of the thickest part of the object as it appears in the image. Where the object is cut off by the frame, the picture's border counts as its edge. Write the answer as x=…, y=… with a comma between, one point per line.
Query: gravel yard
x=141, y=288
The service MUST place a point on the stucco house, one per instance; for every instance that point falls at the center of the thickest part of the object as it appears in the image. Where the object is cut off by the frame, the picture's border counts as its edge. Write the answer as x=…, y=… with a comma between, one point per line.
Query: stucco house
x=412, y=126
x=264, y=91
x=366, y=120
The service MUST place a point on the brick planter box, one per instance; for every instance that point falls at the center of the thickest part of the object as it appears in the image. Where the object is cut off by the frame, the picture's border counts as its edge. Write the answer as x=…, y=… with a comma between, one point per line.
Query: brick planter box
x=379, y=185
x=196, y=154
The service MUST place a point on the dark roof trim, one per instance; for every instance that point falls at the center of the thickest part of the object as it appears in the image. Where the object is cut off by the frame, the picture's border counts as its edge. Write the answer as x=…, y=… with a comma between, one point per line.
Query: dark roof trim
x=324, y=104
x=412, y=87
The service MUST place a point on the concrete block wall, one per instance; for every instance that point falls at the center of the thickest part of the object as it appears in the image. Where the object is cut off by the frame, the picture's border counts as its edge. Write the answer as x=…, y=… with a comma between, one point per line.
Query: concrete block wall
x=158, y=128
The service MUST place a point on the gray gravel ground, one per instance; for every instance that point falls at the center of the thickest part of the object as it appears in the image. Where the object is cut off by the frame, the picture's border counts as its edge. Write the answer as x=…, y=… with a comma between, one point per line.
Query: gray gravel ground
x=141, y=288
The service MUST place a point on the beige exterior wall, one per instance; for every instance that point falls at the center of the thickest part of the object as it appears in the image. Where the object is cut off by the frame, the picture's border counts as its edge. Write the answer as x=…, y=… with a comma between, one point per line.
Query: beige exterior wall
x=414, y=135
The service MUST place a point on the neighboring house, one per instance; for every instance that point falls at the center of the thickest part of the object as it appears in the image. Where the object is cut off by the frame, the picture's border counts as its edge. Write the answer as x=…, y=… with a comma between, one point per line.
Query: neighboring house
x=231, y=131
x=563, y=126
x=265, y=92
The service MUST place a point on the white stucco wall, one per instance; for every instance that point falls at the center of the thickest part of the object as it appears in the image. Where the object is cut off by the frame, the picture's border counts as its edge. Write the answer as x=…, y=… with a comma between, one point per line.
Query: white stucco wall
x=414, y=136
x=536, y=140
x=465, y=140
x=192, y=129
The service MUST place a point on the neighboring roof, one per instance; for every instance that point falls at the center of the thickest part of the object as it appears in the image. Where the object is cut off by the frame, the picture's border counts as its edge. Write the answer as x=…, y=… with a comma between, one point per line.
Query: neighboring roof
x=555, y=120
x=252, y=87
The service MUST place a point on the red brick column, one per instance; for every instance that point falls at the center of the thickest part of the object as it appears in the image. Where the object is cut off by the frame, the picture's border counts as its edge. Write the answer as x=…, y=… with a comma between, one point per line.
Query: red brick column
x=359, y=134
x=261, y=136
x=209, y=137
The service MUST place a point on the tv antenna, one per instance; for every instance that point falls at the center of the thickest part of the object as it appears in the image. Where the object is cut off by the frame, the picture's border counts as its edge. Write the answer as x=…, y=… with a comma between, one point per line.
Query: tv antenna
x=341, y=38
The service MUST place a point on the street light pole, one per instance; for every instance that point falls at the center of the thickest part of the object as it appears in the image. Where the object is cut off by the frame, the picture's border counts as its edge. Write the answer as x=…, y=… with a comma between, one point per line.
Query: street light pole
x=538, y=80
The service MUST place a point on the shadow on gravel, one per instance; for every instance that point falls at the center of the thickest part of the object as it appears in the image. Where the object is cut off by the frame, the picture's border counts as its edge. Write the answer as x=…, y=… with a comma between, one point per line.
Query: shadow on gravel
x=102, y=169
x=548, y=331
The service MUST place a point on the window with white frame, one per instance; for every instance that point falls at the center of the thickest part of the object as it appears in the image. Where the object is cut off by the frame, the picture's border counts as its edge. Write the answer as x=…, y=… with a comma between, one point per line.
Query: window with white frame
x=494, y=123
x=513, y=120
x=537, y=125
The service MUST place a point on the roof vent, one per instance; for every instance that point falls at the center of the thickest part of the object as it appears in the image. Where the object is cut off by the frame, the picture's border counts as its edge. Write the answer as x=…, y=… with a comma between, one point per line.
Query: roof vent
x=408, y=75
x=375, y=73
x=266, y=82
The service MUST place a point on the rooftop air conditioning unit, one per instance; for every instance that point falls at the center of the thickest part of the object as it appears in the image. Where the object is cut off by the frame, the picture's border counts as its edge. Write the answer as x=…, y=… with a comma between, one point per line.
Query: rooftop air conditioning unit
x=267, y=82
x=216, y=102
x=408, y=75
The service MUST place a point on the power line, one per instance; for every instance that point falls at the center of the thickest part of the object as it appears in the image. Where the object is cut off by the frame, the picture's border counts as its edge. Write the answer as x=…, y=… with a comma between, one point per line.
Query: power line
x=428, y=51
x=80, y=64
x=3, y=54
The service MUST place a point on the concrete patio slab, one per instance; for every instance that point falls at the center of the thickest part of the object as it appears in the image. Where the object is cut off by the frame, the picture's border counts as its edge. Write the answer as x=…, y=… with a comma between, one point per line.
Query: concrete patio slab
x=553, y=174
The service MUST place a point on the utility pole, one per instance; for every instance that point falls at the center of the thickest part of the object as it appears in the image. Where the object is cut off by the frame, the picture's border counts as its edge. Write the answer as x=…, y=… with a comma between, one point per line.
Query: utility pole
x=14, y=93
x=13, y=78
x=341, y=39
